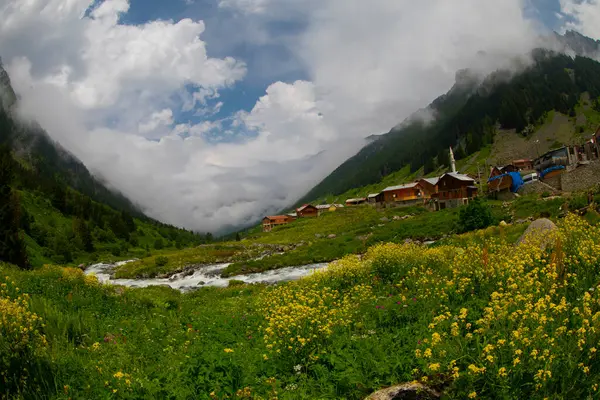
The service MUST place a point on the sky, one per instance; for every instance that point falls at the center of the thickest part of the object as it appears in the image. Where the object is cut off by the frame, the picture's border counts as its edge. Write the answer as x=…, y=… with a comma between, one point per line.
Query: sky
x=210, y=114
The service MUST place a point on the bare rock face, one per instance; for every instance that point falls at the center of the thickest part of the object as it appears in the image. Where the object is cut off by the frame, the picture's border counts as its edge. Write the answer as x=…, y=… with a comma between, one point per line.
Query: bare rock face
x=406, y=391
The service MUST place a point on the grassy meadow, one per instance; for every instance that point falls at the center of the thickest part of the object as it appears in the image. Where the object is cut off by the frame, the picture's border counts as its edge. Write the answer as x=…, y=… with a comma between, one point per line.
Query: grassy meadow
x=478, y=317
x=311, y=240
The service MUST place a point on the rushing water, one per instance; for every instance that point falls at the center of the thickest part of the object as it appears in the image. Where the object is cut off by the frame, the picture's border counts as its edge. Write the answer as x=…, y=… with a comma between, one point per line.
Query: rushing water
x=209, y=275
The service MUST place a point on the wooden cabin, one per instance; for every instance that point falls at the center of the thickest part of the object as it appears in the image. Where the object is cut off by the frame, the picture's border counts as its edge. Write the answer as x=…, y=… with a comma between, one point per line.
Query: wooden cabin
x=269, y=222
x=375, y=198
x=429, y=186
x=307, y=211
x=356, y=202
x=409, y=193
x=454, y=190
x=523, y=165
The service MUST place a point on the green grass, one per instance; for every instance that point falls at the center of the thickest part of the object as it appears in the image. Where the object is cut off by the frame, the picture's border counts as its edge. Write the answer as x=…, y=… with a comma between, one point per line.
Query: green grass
x=370, y=323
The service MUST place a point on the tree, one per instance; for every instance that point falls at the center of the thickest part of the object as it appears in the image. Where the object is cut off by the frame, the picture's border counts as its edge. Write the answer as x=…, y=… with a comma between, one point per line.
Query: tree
x=477, y=215
x=58, y=197
x=158, y=244
x=82, y=231
x=12, y=246
x=238, y=238
x=209, y=237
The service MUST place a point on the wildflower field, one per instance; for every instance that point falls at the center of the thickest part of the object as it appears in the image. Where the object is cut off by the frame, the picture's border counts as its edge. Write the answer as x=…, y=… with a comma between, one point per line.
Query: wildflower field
x=476, y=317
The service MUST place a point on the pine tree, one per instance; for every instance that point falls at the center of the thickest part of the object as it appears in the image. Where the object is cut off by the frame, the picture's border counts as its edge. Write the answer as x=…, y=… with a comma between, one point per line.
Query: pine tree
x=83, y=232
x=238, y=237
x=12, y=246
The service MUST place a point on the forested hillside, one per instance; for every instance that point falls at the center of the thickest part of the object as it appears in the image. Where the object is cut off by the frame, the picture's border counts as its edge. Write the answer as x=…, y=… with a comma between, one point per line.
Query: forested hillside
x=469, y=116
x=53, y=210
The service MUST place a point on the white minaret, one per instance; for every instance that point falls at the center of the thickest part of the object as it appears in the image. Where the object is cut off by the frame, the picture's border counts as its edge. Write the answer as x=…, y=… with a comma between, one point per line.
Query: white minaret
x=452, y=160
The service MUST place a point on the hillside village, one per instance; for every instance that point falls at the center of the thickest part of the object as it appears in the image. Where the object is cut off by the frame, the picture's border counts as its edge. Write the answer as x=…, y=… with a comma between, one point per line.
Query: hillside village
x=565, y=169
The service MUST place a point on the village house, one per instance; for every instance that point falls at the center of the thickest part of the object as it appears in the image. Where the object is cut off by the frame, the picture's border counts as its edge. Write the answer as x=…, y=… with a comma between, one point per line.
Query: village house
x=429, y=186
x=375, y=198
x=307, y=211
x=409, y=193
x=356, y=202
x=269, y=222
x=454, y=190
x=523, y=165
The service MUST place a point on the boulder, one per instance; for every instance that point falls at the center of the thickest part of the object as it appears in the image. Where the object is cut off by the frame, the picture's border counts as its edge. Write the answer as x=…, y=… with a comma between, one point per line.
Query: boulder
x=332, y=236
x=503, y=223
x=406, y=391
x=384, y=219
x=540, y=231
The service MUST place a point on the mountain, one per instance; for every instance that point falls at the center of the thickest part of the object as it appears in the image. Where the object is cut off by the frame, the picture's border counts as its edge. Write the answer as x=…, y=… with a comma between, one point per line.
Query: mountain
x=55, y=209
x=469, y=116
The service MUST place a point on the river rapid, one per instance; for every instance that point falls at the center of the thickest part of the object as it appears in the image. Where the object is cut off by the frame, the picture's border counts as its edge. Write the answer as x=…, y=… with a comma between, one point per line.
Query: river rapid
x=209, y=275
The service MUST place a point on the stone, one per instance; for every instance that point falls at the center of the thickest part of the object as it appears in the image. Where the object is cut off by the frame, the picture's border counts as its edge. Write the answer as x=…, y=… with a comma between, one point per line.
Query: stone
x=318, y=235
x=384, y=219
x=201, y=283
x=540, y=230
x=406, y=391
x=396, y=218
x=503, y=223
x=408, y=241
x=332, y=236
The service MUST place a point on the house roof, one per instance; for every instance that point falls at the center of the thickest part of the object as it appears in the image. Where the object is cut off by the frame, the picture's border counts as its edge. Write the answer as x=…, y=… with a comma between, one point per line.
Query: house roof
x=460, y=177
x=304, y=207
x=432, y=181
x=400, y=187
x=323, y=206
x=355, y=200
x=338, y=205
x=372, y=195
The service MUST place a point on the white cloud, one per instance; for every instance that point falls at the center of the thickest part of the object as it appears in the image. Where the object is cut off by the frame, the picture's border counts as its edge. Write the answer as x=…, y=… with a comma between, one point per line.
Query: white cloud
x=584, y=14
x=160, y=118
x=370, y=65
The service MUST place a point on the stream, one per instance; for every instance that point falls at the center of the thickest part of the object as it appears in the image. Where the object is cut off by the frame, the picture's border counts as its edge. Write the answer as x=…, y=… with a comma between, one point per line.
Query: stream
x=208, y=275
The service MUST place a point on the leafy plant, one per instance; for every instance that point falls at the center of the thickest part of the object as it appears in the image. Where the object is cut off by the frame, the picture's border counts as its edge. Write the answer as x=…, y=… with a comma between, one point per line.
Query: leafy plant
x=161, y=261
x=476, y=215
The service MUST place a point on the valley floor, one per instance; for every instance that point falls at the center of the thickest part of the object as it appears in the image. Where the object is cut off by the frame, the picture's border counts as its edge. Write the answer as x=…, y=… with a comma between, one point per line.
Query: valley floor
x=475, y=316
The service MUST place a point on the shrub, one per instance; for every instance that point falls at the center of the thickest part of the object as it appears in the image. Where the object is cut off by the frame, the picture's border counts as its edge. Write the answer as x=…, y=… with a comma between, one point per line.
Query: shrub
x=235, y=283
x=477, y=215
x=161, y=261
x=545, y=195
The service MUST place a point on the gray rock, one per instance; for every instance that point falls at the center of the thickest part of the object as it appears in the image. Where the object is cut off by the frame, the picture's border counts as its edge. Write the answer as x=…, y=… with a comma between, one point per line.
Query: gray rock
x=540, y=229
x=201, y=283
x=332, y=236
x=396, y=218
x=384, y=219
x=406, y=391
x=318, y=235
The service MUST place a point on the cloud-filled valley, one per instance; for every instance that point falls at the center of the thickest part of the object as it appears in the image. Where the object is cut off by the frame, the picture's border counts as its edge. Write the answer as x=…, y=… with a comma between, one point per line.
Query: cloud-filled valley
x=141, y=104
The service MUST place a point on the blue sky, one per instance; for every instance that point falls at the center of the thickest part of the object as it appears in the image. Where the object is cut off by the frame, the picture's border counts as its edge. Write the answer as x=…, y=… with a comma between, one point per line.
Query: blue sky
x=266, y=63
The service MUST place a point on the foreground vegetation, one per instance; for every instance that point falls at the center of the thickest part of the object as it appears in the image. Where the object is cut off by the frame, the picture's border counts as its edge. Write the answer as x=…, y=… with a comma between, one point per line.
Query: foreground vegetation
x=478, y=317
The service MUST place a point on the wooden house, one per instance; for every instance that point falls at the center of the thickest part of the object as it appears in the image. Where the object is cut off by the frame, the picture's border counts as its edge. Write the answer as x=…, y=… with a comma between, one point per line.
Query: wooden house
x=429, y=186
x=523, y=165
x=409, y=193
x=307, y=211
x=454, y=190
x=375, y=198
x=356, y=202
x=269, y=222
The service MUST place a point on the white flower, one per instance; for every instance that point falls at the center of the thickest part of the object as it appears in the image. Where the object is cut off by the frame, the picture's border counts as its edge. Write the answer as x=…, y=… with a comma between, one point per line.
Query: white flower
x=298, y=368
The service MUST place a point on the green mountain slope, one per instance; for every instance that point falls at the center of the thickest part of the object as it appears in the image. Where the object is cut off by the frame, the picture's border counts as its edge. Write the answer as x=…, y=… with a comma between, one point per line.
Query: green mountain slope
x=59, y=210
x=469, y=117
